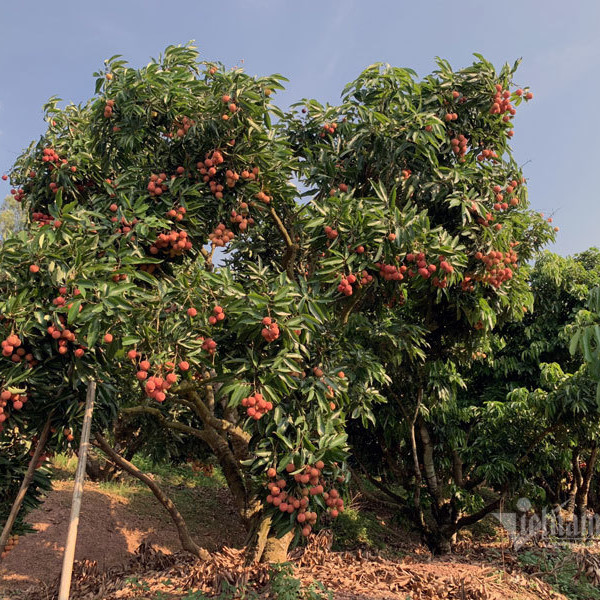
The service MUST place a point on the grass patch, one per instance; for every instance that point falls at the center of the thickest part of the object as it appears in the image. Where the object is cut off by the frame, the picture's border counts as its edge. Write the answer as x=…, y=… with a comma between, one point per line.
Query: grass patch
x=355, y=528
x=179, y=475
x=63, y=466
x=560, y=569
x=125, y=489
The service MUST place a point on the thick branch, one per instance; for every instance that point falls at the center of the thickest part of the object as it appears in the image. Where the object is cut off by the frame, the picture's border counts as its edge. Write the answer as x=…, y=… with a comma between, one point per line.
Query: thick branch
x=378, y=484
x=218, y=424
x=350, y=306
x=369, y=495
x=174, y=425
x=428, y=464
x=415, y=455
x=291, y=251
x=279, y=224
x=185, y=538
x=477, y=516
x=457, y=468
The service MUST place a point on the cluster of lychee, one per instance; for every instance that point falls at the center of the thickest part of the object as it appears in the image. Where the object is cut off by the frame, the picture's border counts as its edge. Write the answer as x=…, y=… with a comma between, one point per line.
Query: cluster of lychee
x=182, y=125
x=308, y=481
x=156, y=186
x=330, y=232
x=328, y=128
x=18, y=194
x=501, y=104
x=221, y=236
x=487, y=220
x=497, y=266
x=345, y=285
x=63, y=336
x=487, y=154
x=231, y=106
x=241, y=218
x=365, y=278
x=125, y=225
x=155, y=386
x=270, y=330
x=42, y=218
x=467, y=284
x=209, y=345
x=147, y=268
x=391, y=272
x=263, y=197
x=173, y=243
x=342, y=187
x=218, y=315
x=178, y=214
x=256, y=406
x=208, y=170
x=108, y=109
x=459, y=145
x=12, y=348
x=116, y=277
x=6, y=396
x=50, y=155
x=53, y=187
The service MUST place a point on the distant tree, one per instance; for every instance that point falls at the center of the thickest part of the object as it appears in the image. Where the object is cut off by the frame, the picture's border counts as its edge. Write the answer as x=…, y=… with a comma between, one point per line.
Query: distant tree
x=11, y=217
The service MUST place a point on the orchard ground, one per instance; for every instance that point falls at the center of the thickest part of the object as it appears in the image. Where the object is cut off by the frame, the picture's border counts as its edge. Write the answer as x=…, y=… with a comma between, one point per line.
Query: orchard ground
x=380, y=559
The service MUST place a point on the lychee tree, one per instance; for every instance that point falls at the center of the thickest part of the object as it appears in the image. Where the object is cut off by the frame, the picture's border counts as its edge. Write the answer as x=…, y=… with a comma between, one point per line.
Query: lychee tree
x=128, y=197
x=420, y=208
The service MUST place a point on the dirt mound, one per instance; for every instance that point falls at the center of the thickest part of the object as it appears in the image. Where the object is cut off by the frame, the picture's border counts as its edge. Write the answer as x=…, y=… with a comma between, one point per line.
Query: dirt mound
x=111, y=527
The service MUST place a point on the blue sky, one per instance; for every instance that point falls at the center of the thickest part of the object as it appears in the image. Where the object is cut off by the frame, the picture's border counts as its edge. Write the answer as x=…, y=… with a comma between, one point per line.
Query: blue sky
x=51, y=48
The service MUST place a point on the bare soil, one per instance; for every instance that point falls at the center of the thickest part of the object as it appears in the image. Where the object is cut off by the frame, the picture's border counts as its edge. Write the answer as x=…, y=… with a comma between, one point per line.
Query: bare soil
x=111, y=528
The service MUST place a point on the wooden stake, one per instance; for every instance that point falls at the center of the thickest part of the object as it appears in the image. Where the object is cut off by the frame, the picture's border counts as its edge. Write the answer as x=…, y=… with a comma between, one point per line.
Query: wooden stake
x=67, y=568
x=16, y=507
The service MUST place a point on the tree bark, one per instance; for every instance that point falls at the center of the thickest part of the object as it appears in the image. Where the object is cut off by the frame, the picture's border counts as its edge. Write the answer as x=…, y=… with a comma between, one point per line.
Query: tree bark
x=276, y=549
x=575, y=482
x=416, y=466
x=429, y=465
x=581, y=497
x=264, y=546
x=185, y=538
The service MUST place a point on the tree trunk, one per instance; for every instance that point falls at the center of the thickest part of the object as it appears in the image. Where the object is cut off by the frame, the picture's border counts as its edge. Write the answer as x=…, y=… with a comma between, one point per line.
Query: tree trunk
x=185, y=538
x=576, y=473
x=581, y=497
x=440, y=541
x=418, y=510
x=264, y=546
x=429, y=465
x=441, y=536
x=276, y=549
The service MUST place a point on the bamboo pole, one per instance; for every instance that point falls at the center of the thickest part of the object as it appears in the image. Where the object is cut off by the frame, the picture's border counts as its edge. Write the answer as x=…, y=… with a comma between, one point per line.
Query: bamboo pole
x=16, y=507
x=69, y=556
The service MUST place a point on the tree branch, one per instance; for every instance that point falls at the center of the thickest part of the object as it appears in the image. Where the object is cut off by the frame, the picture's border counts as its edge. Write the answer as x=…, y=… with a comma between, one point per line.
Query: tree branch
x=477, y=516
x=174, y=425
x=185, y=538
x=378, y=484
x=428, y=464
